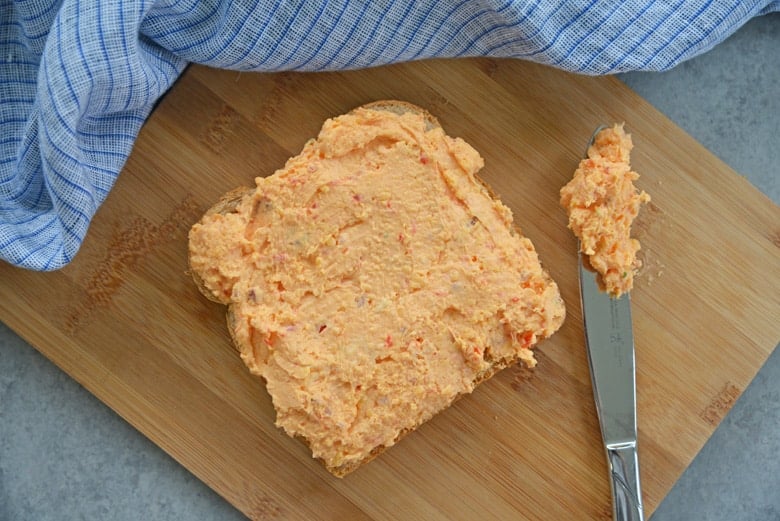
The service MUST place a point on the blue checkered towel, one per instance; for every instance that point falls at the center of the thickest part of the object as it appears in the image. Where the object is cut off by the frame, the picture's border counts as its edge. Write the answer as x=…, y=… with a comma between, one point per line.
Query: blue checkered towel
x=79, y=77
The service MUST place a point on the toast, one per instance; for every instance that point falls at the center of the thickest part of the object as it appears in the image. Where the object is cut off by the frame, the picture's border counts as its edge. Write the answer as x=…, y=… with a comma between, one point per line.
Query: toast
x=372, y=281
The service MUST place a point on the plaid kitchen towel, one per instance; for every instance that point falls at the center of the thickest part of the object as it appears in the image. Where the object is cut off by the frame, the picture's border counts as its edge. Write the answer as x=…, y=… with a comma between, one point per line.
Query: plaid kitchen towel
x=79, y=77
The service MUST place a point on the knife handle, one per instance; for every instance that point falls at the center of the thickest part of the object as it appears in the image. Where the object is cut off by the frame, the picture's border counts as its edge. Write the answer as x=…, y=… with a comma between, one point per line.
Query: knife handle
x=626, y=494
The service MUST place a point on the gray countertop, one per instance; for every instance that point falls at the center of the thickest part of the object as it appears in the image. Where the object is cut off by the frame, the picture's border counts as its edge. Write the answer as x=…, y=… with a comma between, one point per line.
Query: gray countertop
x=64, y=455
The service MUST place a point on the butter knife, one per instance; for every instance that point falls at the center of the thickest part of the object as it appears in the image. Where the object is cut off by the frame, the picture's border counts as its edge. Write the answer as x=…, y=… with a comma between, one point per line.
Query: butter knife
x=610, y=344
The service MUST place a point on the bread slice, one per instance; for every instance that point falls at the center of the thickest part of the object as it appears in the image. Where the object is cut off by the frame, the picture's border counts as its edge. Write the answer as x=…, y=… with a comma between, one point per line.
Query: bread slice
x=372, y=281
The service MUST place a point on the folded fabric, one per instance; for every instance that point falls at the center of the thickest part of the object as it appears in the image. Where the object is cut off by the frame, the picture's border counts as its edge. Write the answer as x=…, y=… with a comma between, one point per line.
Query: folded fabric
x=79, y=77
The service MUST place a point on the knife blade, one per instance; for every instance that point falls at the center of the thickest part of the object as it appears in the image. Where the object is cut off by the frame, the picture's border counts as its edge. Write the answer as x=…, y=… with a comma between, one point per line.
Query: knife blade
x=609, y=341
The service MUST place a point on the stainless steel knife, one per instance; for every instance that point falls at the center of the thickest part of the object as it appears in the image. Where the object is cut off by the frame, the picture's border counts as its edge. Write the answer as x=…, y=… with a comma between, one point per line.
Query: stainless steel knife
x=610, y=344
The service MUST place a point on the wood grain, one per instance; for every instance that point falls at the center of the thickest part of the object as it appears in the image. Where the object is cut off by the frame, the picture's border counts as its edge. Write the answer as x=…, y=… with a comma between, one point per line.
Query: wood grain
x=125, y=320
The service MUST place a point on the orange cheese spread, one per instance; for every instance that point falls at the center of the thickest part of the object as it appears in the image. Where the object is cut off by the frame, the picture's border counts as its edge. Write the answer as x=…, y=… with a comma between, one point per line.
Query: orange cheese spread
x=602, y=202
x=373, y=280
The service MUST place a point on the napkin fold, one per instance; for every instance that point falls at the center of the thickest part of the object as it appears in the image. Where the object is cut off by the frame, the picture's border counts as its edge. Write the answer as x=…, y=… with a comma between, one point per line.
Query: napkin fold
x=79, y=77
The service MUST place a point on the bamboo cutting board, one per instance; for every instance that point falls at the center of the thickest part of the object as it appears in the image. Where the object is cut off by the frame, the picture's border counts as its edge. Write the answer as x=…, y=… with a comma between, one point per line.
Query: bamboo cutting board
x=125, y=320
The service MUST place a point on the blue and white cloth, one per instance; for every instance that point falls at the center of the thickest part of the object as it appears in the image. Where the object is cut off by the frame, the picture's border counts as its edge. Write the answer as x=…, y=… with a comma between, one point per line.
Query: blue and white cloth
x=79, y=77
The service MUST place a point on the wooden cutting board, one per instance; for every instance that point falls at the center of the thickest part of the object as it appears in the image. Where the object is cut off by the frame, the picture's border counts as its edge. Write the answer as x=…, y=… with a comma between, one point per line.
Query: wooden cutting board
x=125, y=320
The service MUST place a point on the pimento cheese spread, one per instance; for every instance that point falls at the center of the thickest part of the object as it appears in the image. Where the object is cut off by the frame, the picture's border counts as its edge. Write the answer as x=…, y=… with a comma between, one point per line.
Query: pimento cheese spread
x=602, y=202
x=374, y=279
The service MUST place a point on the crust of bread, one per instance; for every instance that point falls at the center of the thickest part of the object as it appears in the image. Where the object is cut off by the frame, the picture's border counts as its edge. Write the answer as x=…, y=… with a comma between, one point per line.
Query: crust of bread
x=230, y=201
x=403, y=107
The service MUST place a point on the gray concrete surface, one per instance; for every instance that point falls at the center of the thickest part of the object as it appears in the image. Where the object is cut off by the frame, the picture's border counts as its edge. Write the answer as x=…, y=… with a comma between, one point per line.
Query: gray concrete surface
x=66, y=456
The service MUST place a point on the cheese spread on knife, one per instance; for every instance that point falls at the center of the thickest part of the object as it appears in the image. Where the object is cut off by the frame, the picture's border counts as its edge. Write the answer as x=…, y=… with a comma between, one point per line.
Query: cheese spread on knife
x=602, y=203
x=373, y=280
